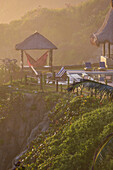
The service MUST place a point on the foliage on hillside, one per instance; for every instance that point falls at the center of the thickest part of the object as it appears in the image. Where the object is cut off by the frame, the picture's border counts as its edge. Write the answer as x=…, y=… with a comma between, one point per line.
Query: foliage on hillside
x=69, y=29
x=78, y=125
x=12, y=98
x=9, y=7
x=9, y=103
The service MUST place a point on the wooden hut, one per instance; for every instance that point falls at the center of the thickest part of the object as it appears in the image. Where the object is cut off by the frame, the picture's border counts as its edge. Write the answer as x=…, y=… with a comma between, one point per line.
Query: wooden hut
x=36, y=41
x=105, y=36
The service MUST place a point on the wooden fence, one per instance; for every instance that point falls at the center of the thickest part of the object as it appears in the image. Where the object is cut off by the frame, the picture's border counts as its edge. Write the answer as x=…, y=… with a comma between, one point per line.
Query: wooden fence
x=42, y=83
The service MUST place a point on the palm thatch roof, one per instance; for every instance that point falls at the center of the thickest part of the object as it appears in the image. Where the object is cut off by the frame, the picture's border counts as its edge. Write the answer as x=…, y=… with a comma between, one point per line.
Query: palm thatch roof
x=35, y=41
x=105, y=33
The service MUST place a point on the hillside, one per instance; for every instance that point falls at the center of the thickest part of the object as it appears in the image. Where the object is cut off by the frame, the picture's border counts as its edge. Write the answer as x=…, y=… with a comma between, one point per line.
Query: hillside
x=51, y=130
x=14, y=9
x=69, y=29
x=78, y=125
x=24, y=111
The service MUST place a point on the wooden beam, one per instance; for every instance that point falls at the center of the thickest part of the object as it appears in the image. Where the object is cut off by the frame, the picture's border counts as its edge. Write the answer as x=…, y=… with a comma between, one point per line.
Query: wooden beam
x=51, y=59
x=112, y=3
x=21, y=59
x=108, y=50
x=103, y=50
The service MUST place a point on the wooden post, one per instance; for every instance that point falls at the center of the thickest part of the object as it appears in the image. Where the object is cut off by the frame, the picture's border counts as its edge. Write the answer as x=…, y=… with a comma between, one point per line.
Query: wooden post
x=103, y=51
x=61, y=88
x=25, y=78
x=53, y=77
x=44, y=79
x=21, y=79
x=108, y=50
x=68, y=82
x=91, y=93
x=41, y=82
x=11, y=96
x=95, y=92
x=21, y=59
x=51, y=59
x=56, y=85
x=106, y=81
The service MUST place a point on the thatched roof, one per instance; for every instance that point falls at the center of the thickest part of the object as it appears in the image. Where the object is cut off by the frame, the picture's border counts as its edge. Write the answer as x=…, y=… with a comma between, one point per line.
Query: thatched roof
x=35, y=41
x=105, y=33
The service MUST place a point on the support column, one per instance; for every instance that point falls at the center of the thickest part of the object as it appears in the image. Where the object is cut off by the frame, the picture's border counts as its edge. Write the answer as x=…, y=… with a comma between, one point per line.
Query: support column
x=112, y=3
x=103, y=50
x=108, y=50
x=50, y=59
x=21, y=64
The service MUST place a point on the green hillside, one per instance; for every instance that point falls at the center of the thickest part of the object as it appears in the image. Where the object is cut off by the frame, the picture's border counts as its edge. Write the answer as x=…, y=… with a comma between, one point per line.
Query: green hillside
x=78, y=126
x=13, y=9
x=69, y=29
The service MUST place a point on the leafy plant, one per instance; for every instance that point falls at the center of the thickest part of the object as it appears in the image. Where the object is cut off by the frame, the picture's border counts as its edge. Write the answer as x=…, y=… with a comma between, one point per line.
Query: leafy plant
x=76, y=129
x=103, y=158
x=98, y=87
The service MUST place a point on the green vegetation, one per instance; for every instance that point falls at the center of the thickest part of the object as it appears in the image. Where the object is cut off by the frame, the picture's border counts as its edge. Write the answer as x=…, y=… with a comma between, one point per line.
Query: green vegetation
x=12, y=97
x=9, y=103
x=105, y=153
x=69, y=29
x=11, y=12
x=78, y=125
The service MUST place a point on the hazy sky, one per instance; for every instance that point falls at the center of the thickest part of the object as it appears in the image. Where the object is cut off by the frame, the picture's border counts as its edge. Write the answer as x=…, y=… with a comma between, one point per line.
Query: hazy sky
x=14, y=9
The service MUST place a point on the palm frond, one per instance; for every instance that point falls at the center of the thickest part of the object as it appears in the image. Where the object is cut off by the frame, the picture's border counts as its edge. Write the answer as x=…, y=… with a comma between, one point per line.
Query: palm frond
x=103, y=151
x=99, y=87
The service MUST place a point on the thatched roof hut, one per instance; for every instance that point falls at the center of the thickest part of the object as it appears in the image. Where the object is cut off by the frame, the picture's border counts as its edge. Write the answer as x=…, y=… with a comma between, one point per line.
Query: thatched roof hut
x=105, y=33
x=35, y=41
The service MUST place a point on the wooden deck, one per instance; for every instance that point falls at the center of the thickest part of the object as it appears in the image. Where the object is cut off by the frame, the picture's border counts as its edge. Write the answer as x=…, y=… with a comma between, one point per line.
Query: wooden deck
x=107, y=72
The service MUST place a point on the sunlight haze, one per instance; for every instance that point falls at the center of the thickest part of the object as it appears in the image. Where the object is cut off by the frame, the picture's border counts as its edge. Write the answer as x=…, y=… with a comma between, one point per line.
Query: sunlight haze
x=15, y=9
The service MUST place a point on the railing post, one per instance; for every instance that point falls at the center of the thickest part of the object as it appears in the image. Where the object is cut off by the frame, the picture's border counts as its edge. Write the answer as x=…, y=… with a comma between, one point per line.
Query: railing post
x=41, y=82
x=56, y=85
x=91, y=93
x=61, y=88
x=50, y=59
x=68, y=82
x=44, y=79
x=25, y=78
x=105, y=81
x=53, y=77
x=95, y=93
x=21, y=79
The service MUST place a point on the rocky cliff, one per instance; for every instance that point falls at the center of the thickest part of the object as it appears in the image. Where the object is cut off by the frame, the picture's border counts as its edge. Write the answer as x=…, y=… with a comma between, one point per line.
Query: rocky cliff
x=21, y=126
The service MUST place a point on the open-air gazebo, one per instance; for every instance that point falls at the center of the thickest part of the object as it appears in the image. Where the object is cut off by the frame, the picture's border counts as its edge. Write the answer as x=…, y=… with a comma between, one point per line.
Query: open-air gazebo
x=105, y=36
x=36, y=42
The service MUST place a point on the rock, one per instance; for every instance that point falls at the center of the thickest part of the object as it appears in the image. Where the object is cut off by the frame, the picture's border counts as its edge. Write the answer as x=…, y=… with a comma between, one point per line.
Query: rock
x=17, y=127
